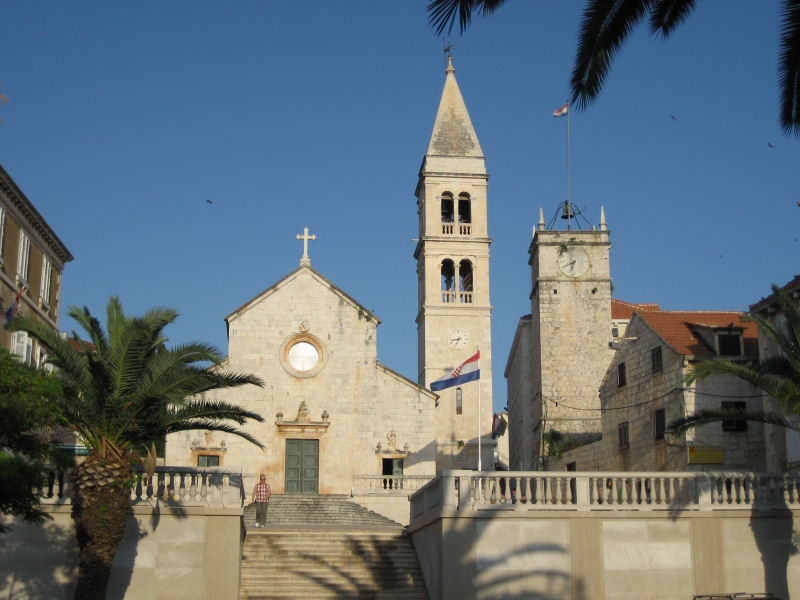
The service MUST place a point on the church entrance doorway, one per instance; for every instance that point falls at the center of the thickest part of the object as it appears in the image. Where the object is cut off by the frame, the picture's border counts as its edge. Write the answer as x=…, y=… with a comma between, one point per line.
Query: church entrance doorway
x=302, y=466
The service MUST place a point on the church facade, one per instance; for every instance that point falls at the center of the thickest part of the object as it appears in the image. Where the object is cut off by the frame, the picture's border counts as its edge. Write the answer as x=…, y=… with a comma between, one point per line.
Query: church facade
x=331, y=411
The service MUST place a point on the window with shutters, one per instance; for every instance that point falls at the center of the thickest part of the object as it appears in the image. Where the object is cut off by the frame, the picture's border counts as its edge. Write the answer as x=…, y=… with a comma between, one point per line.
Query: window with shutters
x=22, y=346
x=23, y=257
x=47, y=270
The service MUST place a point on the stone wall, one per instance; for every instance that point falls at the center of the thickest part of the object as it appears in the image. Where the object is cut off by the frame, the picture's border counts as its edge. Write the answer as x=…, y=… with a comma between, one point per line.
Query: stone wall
x=360, y=411
x=646, y=392
x=168, y=553
x=473, y=548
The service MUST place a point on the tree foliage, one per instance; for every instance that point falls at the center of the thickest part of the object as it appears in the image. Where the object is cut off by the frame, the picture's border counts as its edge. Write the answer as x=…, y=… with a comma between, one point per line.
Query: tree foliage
x=123, y=390
x=28, y=411
x=605, y=26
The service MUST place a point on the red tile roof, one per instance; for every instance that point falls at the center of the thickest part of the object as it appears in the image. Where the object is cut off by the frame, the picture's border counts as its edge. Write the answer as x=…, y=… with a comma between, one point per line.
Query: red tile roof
x=675, y=326
x=624, y=310
x=80, y=345
x=793, y=285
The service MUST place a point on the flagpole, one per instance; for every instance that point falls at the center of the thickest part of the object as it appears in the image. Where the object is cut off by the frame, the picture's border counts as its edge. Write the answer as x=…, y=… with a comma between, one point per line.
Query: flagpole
x=479, y=412
x=568, y=178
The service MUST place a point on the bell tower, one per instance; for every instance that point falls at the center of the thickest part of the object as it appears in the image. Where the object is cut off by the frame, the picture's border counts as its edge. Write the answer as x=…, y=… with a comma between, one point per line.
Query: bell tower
x=570, y=329
x=453, y=318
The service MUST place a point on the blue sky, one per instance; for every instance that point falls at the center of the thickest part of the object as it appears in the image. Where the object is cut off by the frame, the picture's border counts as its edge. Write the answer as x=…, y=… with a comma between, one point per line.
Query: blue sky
x=124, y=118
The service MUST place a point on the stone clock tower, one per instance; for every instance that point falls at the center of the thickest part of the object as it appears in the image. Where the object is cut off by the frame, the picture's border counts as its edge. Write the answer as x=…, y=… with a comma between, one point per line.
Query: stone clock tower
x=570, y=313
x=452, y=256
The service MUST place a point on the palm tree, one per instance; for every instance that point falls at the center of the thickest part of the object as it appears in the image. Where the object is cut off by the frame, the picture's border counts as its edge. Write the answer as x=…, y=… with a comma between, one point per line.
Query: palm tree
x=778, y=376
x=123, y=391
x=607, y=23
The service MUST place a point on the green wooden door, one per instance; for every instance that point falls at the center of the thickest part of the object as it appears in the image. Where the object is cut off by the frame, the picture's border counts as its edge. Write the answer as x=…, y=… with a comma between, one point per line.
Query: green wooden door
x=302, y=466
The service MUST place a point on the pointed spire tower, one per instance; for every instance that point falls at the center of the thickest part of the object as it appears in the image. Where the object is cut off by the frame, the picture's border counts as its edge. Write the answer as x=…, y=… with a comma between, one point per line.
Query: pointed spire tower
x=453, y=318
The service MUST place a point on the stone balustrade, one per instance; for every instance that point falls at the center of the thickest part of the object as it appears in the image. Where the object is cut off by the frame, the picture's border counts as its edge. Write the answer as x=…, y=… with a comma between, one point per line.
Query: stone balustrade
x=464, y=491
x=388, y=484
x=179, y=486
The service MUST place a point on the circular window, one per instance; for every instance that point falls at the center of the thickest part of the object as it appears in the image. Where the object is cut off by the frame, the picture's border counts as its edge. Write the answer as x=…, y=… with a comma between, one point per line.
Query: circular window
x=302, y=355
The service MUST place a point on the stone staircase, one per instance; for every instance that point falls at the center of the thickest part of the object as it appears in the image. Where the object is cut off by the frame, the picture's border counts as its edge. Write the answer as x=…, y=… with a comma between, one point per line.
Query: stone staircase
x=316, y=547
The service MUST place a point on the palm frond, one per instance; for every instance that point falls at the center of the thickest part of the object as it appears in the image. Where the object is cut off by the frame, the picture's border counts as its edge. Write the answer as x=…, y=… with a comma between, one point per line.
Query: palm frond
x=92, y=327
x=442, y=14
x=667, y=15
x=708, y=416
x=789, y=68
x=211, y=409
x=211, y=425
x=605, y=26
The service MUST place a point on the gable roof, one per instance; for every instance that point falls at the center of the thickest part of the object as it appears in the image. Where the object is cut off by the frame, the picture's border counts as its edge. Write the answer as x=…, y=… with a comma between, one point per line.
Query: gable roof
x=293, y=275
x=678, y=328
x=624, y=310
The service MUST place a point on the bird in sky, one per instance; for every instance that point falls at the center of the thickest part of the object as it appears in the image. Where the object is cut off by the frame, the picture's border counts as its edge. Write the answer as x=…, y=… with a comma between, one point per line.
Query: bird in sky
x=209, y=201
x=673, y=117
x=770, y=144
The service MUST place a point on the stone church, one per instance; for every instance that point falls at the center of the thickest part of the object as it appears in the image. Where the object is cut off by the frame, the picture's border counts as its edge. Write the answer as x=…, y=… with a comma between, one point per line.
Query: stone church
x=331, y=410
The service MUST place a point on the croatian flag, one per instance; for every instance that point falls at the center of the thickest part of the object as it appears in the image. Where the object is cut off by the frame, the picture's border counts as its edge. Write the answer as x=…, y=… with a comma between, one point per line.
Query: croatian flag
x=561, y=111
x=469, y=370
x=12, y=310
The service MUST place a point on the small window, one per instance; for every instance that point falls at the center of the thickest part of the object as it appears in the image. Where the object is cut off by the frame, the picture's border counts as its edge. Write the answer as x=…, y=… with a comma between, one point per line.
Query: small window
x=459, y=407
x=572, y=466
x=734, y=424
x=624, y=440
x=621, y=376
x=659, y=424
x=392, y=466
x=655, y=360
x=207, y=460
x=729, y=344
x=615, y=332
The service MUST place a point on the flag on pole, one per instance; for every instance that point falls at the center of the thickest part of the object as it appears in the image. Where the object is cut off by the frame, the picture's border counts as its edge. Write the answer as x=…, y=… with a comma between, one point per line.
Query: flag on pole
x=560, y=112
x=469, y=370
x=13, y=309
x=498, y=426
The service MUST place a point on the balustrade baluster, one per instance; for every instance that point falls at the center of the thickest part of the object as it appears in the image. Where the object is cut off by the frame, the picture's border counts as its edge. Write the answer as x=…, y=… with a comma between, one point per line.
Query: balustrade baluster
x=203, y=487
x=182, y=487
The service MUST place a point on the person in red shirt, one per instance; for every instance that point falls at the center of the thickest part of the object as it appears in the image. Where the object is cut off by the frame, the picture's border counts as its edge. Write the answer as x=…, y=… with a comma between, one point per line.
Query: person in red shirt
x=261, y=494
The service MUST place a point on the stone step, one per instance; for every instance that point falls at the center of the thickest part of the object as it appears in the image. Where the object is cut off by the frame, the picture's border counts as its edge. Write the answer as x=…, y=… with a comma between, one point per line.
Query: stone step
x=321, y=547
x=305, y=511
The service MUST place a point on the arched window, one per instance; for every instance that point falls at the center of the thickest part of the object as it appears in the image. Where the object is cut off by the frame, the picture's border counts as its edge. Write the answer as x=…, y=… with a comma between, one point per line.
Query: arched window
x=465, y=281
x=448, y=281
x=459, y=407
x=448, y=208
x=464, y=214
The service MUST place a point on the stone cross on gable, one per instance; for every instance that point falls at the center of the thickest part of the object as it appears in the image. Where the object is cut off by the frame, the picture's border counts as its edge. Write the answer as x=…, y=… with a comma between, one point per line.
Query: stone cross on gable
x=305, y=237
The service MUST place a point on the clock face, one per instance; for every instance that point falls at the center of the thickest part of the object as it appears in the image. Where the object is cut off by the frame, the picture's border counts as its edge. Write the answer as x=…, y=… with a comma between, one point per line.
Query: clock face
x=303, y=356
x=573, y=262
x=458, y=338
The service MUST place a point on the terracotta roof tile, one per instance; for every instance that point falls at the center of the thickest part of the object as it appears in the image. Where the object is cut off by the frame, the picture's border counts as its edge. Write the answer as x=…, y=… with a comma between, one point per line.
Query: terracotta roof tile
x=624, y=310
x=80, y=345
x=790, y=287
x=675, y=326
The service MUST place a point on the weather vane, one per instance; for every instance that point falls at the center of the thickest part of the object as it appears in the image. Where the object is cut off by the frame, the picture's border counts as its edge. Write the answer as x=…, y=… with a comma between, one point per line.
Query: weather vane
x=447, y=48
